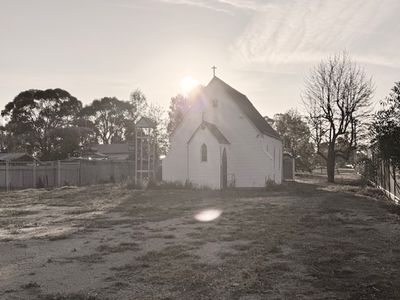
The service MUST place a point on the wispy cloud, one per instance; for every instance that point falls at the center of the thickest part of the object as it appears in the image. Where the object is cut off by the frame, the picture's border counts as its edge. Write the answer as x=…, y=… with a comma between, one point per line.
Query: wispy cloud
x=299, y=31
x=303, y=31
x=227, y=6
x=208, y=4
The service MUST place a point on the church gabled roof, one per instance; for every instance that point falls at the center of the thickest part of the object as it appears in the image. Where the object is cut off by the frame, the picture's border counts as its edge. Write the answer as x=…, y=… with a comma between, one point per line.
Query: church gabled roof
x=214, y=131
x=246, y=106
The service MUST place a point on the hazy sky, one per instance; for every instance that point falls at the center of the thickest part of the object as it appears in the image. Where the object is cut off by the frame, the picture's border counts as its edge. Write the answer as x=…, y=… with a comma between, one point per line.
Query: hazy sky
x=263, y=48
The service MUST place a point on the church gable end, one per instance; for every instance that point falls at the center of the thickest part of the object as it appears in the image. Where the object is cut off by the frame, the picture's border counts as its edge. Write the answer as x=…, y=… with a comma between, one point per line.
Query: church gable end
x=245, y=106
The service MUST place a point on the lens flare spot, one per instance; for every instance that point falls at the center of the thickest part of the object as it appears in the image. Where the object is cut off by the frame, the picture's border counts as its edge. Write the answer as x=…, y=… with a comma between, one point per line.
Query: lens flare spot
x=208, y=215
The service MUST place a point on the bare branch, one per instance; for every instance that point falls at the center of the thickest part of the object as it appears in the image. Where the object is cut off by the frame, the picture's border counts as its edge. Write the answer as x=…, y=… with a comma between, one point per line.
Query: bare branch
x=336, y=97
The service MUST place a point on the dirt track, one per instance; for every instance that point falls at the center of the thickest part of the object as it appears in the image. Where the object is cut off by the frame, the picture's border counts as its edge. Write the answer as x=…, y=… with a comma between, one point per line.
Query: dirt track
x=304, y=240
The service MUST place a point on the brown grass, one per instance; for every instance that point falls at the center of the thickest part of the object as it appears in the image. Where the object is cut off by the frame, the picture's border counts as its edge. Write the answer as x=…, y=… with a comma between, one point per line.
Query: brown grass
x=303, y=240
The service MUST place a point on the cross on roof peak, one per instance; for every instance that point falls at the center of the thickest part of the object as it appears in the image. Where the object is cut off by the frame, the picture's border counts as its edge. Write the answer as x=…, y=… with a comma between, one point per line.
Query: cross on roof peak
x=214, y=68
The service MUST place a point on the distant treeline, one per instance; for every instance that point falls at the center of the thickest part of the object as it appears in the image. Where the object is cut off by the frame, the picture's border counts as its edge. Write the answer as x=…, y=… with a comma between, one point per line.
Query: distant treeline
x=52, y=124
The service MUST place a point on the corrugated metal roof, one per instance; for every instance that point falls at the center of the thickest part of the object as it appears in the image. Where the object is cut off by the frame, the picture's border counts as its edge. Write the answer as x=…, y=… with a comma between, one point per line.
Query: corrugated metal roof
x=214, y=131
x=113, y=148
x=10, y=156
x=119, y=156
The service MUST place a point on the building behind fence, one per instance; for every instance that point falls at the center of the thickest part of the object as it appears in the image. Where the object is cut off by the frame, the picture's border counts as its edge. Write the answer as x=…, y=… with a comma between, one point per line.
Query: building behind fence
x=20, y=175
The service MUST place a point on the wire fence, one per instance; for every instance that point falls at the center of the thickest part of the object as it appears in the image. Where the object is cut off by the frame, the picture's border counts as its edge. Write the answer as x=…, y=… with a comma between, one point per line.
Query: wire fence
x=22, y=175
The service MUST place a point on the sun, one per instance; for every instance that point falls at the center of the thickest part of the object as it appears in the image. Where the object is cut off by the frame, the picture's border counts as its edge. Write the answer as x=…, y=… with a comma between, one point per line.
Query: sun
x=187, y=84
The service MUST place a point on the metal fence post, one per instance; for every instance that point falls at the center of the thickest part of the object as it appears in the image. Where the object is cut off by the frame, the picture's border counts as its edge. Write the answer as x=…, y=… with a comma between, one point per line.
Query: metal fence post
x=7, y=176
x=34, y=175
x=141, y=158
x=80, y=173
x=59, y=173
x=395, y=181
x=136, y=155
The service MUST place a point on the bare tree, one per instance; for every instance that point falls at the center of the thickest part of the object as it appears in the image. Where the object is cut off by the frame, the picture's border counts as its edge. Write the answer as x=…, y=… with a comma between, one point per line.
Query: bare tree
x=337, y=100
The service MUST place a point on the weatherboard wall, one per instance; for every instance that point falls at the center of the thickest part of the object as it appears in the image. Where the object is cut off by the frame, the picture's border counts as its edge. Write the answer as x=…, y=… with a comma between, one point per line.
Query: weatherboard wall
x=253, y=158
x=204, y=173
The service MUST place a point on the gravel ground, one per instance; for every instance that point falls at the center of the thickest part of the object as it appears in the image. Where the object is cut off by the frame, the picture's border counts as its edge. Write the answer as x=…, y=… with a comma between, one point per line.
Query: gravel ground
x=302, y=240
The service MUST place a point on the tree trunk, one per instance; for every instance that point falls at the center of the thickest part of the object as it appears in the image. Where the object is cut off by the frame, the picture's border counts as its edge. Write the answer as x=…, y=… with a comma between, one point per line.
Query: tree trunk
x=330, y=163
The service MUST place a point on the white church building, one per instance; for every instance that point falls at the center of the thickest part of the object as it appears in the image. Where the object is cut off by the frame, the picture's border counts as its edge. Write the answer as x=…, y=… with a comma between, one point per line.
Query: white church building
x=223, y=141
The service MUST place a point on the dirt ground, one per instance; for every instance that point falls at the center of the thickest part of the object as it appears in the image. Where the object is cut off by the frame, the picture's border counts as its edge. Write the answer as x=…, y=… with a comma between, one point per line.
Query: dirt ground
x=301, y=240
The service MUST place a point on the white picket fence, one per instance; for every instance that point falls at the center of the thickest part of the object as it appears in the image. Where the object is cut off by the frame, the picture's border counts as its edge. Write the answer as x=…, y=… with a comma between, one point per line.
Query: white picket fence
x=62, y=173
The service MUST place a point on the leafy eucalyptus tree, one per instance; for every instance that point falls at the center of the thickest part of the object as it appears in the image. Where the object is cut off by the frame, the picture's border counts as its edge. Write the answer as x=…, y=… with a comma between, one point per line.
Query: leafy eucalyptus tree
x=34, y=118
x=109, y=118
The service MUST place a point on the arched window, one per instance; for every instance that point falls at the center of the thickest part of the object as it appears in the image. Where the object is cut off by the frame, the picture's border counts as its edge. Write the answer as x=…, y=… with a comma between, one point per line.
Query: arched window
x=203, y=152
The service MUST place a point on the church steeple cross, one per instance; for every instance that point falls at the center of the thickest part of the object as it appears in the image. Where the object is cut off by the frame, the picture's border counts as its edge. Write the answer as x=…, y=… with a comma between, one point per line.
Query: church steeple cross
x=214, y=68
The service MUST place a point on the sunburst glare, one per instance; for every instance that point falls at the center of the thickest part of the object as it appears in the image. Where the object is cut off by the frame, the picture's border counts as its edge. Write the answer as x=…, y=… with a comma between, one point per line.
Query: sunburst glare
x=187, y=84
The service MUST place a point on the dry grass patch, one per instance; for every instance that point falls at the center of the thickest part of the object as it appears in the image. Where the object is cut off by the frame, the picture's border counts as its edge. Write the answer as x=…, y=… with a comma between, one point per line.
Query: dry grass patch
x=304, y=240
x=121, y=247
